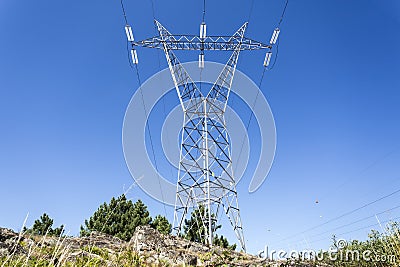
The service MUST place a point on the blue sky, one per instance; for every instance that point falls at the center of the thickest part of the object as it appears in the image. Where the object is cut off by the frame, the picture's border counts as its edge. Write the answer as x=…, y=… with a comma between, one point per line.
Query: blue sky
x=65, y=84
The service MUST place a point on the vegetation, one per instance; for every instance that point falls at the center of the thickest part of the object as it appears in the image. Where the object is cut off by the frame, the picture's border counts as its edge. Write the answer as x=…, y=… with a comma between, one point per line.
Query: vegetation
x=195, y=230
x=43, y=226
x=162, y=225
x=380, y=249
x=60, y=256
x=120, y=218
x=223, y=242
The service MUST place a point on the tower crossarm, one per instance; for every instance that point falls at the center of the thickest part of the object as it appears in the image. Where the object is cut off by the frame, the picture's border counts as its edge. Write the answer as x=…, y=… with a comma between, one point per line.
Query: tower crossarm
x=193, y=42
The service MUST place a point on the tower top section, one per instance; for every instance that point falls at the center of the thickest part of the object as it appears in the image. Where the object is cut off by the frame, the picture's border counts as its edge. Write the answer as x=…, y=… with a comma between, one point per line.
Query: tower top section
x=201, y=42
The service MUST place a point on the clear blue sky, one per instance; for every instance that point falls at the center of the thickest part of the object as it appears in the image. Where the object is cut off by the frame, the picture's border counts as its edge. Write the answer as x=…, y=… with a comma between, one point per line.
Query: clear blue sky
x=65, y=84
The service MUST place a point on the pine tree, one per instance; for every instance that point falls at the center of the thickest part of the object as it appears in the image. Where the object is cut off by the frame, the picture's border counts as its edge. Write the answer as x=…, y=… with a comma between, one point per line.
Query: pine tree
x=223, y=242
x=162, y=225
x=118, y=218
x=195, y=230
x=43, y=226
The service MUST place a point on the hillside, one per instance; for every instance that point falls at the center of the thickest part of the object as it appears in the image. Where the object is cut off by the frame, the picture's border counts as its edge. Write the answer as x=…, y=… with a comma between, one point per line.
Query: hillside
x=146, y=248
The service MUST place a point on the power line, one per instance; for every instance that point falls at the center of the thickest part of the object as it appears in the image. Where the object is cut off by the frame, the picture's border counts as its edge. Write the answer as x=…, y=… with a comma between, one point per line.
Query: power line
x=262, y=77
x=357, y=221
x=150, y=137
x=352, y=223
x=276, y=56
x=283, y=13
x=127, y=42
x=343, y=215
x=123, y=12
x=251, y=11
x=233, y=99
x=146, y=113
x=159, y=69
x=152, y=9
x=251, y=116
x=351, y=231
x=369, y=226
x=204, y=9
x=363, y=172
x=277, y=45
x=359, y=229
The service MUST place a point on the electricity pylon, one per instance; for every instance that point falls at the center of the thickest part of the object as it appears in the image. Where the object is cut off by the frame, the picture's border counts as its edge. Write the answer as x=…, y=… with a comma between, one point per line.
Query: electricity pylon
x=205, y=177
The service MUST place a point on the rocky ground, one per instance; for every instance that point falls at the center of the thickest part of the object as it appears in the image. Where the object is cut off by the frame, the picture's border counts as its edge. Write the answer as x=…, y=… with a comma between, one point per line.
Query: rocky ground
x=146, y=248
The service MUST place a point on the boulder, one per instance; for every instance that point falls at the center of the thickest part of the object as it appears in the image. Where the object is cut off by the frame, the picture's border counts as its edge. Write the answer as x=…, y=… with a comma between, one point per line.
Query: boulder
x=9, y=242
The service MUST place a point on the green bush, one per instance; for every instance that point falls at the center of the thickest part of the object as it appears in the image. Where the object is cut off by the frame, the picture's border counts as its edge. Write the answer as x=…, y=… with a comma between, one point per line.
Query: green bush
x=118, y=218
x=195, y=229
x=162, y=225
x=43, y=226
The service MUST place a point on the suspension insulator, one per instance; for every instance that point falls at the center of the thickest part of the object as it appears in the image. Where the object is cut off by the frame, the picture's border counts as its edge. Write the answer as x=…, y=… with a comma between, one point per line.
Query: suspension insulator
x=201, y=61
x=129, y=34
x=274, y=36
x=267, y=59
x=203, y=30
x=134, y=56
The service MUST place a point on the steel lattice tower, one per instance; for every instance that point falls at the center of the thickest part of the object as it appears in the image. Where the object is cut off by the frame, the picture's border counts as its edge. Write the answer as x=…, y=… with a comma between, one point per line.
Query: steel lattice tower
x=205, y=177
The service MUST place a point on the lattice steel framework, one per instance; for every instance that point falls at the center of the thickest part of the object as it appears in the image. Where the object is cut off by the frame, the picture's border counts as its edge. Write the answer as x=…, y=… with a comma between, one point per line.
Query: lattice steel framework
x=205, y=177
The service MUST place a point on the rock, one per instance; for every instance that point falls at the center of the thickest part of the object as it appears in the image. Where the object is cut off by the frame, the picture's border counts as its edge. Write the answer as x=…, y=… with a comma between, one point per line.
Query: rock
x=3, y=252
x=147, y=246
x=6, y=234
x=147, y=240
x=9, y=242
x=179, y=251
